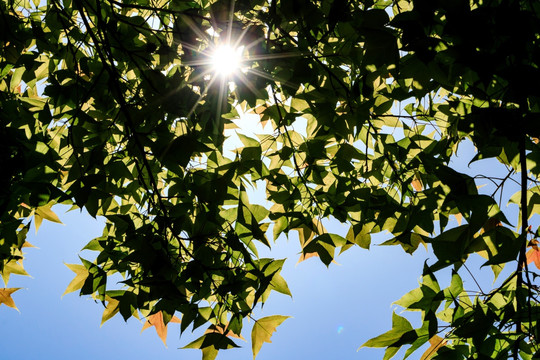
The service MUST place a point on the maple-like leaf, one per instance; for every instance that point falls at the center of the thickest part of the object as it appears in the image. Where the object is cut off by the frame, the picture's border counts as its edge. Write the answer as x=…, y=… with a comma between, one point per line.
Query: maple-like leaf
x=533, y=255
x=45, y=212
x=80, y=278
x=263, y=330
x=12, y=267
x=156, y=320
x=111, y=309
x=5, y=297
x=436, y=343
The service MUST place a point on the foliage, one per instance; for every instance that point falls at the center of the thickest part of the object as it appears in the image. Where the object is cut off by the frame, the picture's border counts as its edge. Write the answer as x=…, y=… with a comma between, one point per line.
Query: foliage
x=110, y=106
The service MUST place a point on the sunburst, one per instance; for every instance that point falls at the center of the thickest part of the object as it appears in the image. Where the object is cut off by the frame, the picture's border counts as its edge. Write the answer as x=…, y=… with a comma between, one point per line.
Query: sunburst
x=225, y=60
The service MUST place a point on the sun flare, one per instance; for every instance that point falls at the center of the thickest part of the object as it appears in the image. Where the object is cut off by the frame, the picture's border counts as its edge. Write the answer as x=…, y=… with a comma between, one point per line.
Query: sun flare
x=226, y=60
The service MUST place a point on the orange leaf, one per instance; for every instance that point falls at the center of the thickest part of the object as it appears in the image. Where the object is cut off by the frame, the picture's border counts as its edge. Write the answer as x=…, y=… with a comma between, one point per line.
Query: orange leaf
x=156, y=320
x=5, y=297
x=436, y=343
x=417, y=183
x=459, y=218
x=304, y=257
x=533, y=255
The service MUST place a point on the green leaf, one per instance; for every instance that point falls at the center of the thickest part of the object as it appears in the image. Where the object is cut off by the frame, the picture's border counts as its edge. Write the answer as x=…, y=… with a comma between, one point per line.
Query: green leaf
x=212, y=339
x=400, y=327
x=16, y=78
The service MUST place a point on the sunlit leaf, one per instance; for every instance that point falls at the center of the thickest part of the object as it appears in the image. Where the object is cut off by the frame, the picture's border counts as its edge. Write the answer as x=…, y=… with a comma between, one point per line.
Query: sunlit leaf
x=12, y=267
x=436, y=342
x=45, y=212
x=5, y=297
x=81, y=273
x=262, y=331
x=156, y=320
x=111, y=309
x=533, y=256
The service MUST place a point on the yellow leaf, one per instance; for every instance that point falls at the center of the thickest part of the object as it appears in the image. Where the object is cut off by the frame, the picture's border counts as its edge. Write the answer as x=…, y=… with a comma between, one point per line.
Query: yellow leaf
x=110, y=310
x=37, y=221
x=459, y=218
x=5, y=297
x=78, y=281
x=263, y=330
x=12, y=267
x=46, y=213
x=156, y=320
x=436, y=343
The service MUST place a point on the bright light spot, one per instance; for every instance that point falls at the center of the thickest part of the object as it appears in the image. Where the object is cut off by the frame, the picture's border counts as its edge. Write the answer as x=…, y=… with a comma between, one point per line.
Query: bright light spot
x=226, y=59
x=340, y=329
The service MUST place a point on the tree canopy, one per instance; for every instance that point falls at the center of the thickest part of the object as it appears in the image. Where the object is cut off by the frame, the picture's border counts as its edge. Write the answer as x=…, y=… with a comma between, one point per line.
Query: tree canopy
x=115, y=107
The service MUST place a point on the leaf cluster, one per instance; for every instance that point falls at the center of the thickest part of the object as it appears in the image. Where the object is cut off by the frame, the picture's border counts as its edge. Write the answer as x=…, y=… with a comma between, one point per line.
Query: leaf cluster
x=110, y=106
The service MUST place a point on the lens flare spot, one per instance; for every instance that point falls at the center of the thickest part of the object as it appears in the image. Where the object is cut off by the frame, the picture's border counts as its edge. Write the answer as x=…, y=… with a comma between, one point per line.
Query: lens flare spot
x=340, y=329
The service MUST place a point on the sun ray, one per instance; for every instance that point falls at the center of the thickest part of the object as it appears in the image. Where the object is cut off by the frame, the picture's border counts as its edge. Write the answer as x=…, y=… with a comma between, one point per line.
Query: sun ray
x=272, y=77
x=195, y=28
x=254, y=42
x=225, y=58
x=244, y=79
x=274, y=56
x=221, y=97
x=229, y=25
x=201, y=96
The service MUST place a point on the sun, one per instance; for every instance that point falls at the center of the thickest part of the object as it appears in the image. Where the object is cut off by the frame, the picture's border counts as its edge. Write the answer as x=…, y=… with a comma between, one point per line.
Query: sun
x=226, y=60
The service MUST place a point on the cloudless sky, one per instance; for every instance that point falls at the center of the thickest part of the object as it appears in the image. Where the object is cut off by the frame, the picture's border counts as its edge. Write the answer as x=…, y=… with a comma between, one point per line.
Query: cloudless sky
x=333, y=310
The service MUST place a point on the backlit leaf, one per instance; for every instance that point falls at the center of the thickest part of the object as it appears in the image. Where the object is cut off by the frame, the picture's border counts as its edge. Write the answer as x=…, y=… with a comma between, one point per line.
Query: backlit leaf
x=80, y=277
x=262, y=331
x=5, y=297
x=12, y=267
x=533, y=255
x=45, y=212
x=156, y=320
x=111, y=309
x=436, y=343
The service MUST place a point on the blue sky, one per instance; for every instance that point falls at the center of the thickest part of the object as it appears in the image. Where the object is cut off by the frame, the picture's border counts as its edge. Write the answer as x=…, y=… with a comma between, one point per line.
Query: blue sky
x=333, y=310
